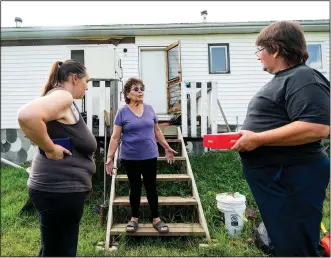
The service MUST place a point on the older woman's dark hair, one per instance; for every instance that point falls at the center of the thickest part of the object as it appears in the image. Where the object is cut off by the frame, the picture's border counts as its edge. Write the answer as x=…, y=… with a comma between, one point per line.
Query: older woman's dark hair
x=128, y=85
x=288, y=38
x=61, y=71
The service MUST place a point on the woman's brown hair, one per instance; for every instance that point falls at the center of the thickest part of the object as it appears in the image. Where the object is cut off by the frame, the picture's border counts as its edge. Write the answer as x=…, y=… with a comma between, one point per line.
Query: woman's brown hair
x=288, y=38
x=61, y=71
x=128, y=85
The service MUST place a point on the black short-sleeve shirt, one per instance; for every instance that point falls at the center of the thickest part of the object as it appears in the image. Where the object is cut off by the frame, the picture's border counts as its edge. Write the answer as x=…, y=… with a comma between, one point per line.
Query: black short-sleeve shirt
x=295, y=94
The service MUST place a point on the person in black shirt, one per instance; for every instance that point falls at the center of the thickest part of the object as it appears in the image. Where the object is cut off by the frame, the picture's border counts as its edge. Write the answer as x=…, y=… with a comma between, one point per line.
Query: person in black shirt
x=280, y=148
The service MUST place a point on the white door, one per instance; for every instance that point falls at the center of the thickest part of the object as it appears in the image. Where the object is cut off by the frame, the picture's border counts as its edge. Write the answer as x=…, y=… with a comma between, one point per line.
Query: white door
x=153, y=74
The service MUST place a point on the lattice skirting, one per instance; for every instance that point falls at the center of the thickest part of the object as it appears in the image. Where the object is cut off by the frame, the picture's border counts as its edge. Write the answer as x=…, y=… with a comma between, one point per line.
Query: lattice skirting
x=15, y=147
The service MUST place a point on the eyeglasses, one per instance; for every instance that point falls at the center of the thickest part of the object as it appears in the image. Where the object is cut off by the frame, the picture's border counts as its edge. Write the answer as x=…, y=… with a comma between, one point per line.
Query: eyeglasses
x=257, y=53
x=136, y=89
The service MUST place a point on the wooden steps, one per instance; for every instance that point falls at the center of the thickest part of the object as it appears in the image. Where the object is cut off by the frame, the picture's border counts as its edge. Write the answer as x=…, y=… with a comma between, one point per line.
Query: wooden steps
x=160, y=177
x=175, y=229
x=196, y=227
x=163, y=200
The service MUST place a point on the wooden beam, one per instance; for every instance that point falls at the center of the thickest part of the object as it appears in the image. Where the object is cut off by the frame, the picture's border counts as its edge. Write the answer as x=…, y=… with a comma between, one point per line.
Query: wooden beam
x=175, y=229
x=107, y=118
x=193, y=102
x=184, y=109
x=214, y=95
x=195, y=194
x=179, y=158
x=111, y=199
x=172, y=46
x=163, y=200
x=160, y=177
x=204, y=108
x=102, y=95
x=89, y=105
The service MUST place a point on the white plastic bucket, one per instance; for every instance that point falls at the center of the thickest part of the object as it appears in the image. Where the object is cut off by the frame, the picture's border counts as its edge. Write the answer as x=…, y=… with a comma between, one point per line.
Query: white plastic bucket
x=232, y=207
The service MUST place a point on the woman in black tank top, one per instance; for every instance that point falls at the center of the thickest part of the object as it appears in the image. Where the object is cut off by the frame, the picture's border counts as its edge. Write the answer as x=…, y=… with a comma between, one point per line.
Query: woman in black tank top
x=61, y=172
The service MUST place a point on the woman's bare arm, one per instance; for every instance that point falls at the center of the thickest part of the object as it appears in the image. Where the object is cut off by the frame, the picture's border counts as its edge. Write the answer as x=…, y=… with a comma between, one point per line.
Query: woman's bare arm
x=114, y=141
x=33, y=116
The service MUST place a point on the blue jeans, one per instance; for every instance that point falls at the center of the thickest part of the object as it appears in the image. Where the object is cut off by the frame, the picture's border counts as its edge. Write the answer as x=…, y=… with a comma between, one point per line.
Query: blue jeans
x=290, y=200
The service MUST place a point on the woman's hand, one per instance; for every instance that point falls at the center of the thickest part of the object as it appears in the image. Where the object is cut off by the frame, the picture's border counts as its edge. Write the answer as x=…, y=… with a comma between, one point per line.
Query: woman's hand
x=170, y=154
x=110, y=166
x=247, y=142
x=57, y=153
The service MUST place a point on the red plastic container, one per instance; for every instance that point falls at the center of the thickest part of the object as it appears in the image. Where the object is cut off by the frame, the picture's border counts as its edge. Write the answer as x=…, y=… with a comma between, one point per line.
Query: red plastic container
x=325, y=242
x=220, y=140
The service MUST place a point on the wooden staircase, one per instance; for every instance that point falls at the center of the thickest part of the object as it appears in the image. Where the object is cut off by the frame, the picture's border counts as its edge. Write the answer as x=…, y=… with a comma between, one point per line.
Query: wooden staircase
x=193, y=228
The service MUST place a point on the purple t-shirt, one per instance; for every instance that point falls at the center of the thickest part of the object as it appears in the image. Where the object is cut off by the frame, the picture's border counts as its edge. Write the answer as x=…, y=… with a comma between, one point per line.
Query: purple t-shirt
x=138, y=136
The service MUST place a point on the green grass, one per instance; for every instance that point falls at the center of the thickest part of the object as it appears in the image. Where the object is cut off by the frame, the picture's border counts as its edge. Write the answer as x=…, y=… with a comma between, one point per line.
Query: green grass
x=20, y=234
x=215, y=172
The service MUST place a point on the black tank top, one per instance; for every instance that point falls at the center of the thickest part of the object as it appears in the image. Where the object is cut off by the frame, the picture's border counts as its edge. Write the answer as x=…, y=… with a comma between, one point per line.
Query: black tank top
x=73, y=173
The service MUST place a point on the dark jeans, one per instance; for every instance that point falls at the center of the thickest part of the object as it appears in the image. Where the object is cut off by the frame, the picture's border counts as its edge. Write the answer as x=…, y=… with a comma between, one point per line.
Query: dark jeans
x=59, y=218
x=290, y=200
x=147, y=168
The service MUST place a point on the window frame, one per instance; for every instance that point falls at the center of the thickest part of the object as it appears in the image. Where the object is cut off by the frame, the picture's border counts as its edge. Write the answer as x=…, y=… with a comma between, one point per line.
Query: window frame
x=227, y=57
x=322, y=44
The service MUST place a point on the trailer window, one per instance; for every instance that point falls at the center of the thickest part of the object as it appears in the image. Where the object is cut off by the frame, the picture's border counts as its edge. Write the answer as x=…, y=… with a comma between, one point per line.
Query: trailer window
x=219, y=58
x=315, y=56
x=78, y=55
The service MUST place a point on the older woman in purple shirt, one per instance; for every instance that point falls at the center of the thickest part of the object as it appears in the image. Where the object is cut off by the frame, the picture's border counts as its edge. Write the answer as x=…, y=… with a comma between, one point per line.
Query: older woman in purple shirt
x=138, y=126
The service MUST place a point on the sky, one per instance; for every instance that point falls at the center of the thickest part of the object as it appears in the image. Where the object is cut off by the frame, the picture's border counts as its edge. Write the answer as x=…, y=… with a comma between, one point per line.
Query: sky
x=68, y=13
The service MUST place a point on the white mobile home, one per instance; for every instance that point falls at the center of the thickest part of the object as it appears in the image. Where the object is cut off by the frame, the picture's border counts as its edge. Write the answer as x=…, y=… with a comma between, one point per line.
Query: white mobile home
x=172, y=59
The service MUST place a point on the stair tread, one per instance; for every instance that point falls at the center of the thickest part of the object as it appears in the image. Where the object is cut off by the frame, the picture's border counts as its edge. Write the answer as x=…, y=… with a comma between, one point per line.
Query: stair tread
x=161, y=177
x=175, y=229
x=175, y=158
x=163, y=200
x=172, y=140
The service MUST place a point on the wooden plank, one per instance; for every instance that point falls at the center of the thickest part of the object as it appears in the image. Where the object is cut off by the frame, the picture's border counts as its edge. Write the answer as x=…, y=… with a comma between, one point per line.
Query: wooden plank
x=180, y=61
x=184, y=109
x=167, y=78
x=202, y=218
x=110, y=209
x=204, y=108
x=172, y=46
x=107, y=118
x=89, y=106
x=223, y=114
x=177, y=158
x=163, y=200
x=214, y=94
x=169, y=130
x=160, y=177
x=193, y=102
x=102, y=94
x=172, y=140
x=175, y=229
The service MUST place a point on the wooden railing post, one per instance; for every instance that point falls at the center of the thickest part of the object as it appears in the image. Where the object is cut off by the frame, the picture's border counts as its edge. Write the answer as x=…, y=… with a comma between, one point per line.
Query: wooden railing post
x=193, y=105
x=184, y=109
x=89, y=106
x=204, y=108
x=214, y=95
